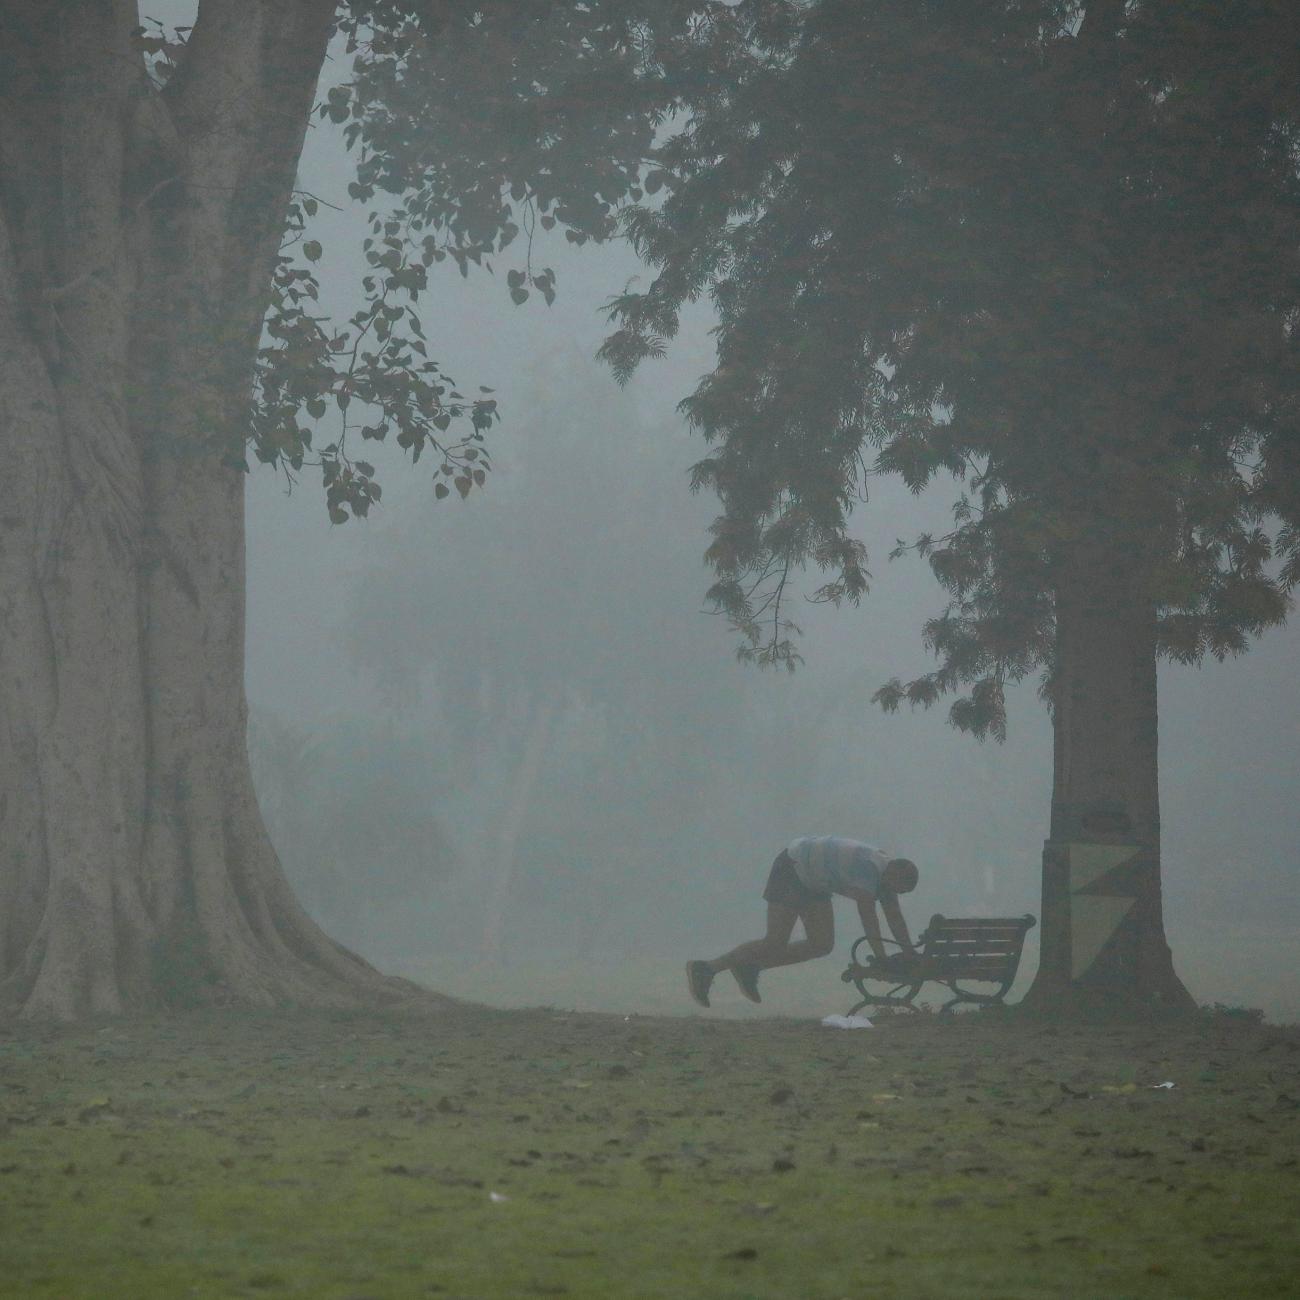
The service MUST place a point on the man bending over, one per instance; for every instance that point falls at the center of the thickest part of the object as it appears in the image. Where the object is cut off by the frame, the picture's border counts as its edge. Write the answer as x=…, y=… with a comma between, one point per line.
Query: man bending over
x=804, y=877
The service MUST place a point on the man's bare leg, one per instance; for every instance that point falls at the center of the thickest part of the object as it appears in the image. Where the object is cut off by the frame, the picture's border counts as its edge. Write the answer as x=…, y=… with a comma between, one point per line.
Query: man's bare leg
x=775, y=947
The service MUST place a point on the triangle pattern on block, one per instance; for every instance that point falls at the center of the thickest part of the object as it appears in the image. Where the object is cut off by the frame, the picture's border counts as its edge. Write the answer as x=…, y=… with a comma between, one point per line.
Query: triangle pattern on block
x=1128, y=880
x=1090, y=861
x=1093, y=919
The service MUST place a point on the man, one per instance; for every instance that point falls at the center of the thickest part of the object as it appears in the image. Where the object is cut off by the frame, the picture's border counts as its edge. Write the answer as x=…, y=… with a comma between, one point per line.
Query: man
x=804, y=877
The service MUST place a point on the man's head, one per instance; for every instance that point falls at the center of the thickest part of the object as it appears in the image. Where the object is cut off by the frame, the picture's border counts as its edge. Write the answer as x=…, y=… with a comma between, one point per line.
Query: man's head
x=899, y=875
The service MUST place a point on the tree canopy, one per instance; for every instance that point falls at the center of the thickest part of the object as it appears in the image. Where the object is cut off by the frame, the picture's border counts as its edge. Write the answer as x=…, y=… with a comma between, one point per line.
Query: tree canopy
x=1061, y=269
x=1044, y=248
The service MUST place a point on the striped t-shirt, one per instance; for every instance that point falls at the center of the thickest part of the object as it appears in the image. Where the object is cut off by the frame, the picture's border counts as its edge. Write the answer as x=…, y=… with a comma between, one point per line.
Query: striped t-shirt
x=828, y=863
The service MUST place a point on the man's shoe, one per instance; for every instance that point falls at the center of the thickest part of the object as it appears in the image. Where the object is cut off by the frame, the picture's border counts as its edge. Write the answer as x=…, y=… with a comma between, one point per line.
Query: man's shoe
x=699, y=975
x=747, y=978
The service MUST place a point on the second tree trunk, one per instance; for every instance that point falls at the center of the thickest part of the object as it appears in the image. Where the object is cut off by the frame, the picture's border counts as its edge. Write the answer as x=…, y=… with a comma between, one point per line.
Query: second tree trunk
x=1103, y=940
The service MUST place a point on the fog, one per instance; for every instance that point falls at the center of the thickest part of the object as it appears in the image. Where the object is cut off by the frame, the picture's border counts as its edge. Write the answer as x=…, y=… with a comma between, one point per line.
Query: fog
x=503, y=749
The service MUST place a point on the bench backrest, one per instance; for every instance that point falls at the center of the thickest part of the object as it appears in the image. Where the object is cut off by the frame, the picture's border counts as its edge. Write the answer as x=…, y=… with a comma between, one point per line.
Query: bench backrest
x=979, y=947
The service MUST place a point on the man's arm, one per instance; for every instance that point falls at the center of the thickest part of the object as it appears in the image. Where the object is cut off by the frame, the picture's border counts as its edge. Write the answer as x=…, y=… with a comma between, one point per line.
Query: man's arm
x=894, y=915
x=870, y=921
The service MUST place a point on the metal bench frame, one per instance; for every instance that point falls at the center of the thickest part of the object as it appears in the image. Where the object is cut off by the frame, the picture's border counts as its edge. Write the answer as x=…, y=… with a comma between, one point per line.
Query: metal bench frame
x=954, y=952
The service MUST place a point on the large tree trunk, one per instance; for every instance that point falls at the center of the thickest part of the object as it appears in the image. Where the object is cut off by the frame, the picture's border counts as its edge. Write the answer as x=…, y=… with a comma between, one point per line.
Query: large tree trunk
x=1103, y=941
x=137, y=237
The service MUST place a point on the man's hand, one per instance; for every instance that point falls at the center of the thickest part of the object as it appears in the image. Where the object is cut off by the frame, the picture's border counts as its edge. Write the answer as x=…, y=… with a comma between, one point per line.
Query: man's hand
x=898, y=965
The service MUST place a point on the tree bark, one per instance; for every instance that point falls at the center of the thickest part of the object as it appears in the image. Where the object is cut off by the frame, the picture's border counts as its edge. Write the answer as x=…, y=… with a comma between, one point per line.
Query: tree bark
x=138, y=232
x=1103, y=942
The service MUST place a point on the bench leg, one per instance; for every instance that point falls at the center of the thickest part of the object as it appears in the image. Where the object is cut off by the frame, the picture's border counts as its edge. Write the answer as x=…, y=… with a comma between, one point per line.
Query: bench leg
x=978, y=999
x=889, y=999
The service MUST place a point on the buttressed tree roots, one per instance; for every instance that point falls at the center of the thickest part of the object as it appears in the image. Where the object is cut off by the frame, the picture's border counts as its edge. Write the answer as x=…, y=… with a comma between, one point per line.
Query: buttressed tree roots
x=139, y=227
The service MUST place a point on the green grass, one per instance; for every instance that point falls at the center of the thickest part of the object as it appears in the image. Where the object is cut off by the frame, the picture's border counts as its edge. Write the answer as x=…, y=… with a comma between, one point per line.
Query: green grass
x=356, y=1156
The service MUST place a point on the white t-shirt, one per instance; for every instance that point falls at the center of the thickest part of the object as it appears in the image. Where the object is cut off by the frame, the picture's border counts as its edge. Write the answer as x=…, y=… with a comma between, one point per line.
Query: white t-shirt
x=829, y=863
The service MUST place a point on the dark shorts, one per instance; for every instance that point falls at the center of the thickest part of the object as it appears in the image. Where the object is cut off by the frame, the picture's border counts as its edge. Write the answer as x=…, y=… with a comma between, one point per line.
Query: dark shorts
x=786, y=889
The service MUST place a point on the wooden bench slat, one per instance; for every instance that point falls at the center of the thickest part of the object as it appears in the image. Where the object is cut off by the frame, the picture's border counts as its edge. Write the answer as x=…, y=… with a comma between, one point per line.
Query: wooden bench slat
x=945, y=953
x=937, y=968
x=971, y=970
x=981, y=932
x=973, y=945
x=1024, y=919
x=956, y=960
x=953, y=951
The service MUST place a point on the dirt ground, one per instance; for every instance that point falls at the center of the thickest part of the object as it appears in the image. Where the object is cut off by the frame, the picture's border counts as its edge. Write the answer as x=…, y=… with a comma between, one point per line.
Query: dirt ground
x=479, y=1153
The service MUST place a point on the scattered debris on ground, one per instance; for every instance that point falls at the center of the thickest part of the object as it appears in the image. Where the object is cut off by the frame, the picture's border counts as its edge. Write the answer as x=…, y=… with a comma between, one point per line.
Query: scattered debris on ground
x=481, y=1153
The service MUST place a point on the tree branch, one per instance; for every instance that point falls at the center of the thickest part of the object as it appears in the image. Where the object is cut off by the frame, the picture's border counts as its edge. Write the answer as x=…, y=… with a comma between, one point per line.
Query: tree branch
x=1102, y=20
x=30, y=129
x=100, y=72
x=248, y=62
x=241, y=100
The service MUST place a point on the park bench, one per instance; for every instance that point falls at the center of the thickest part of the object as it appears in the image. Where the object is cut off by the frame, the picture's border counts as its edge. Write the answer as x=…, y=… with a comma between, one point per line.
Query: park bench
x=955, y=951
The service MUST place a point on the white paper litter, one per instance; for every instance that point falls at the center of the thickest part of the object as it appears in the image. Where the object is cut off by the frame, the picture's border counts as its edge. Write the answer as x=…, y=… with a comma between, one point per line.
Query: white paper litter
x=1168, y=1083
x=847, y=1022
